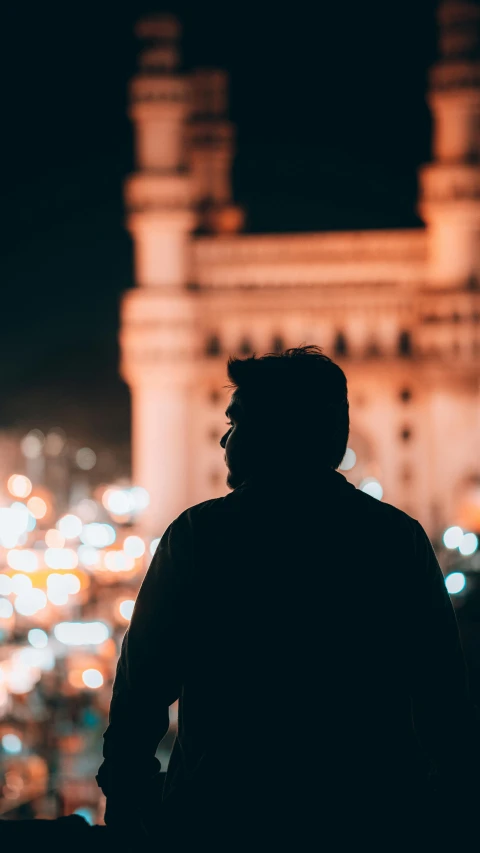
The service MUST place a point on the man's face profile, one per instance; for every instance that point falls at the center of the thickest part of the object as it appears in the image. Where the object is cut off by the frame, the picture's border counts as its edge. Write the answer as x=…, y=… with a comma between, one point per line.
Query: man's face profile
x=233, y=442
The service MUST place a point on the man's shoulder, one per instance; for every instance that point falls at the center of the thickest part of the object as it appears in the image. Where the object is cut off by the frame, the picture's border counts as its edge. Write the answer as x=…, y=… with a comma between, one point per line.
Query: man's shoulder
x=383, y=511
x=206, y=509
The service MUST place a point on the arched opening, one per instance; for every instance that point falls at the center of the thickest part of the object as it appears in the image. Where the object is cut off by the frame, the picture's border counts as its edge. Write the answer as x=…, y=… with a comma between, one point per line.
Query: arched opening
x=405, y=348
x=278, y=344
x=340, y=346
x=245, y=348
x=213, y=346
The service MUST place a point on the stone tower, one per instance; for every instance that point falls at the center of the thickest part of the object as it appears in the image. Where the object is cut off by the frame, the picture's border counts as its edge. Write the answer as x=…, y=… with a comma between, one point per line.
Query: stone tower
x=184, y=150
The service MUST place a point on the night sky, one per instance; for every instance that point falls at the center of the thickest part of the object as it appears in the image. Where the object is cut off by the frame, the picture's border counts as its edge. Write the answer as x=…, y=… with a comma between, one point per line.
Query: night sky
x=332, y=125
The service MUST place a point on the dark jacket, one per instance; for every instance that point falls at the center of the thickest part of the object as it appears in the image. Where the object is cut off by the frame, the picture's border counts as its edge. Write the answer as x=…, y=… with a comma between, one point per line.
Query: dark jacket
x=308, y=635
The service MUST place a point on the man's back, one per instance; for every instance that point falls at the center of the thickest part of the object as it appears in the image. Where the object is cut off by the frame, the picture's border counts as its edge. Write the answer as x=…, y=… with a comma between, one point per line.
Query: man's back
x=297, y=625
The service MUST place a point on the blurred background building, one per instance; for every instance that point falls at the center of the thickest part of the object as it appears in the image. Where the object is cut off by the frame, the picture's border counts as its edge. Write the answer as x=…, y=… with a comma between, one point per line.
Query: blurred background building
x=399, y=310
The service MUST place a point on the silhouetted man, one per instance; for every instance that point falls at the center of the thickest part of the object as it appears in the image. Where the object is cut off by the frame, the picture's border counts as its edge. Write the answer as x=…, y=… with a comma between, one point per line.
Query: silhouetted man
x=307, y=633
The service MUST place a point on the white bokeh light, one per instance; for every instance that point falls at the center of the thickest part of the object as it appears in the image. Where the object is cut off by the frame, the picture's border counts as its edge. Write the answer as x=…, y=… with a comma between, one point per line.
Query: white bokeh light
x=468, y=544
x=11, y=743
x=81, y=633
x=70, y=526
x=32, y=444
x=154, y=545
x=5, y=585
x=372, y=487
x=452, y=537
x=98, y=535
x=455, y=582
x=21, y=584
x=118, y=501
x=126, y=608
x=134, y=546
x=6, y=608
x=29, y=603
x=19, y=486
x=348, y=461
x=37, y=638
x=86, y=458
x=22, y=561
x=92, y=678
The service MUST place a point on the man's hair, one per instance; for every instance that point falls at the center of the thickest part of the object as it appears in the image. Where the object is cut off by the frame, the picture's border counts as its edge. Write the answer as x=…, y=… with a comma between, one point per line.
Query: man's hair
x=296, y=401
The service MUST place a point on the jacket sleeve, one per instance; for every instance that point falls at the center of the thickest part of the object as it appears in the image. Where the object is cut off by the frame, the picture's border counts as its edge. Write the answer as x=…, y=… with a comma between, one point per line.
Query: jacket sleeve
x=444, y=715
x=148, y=677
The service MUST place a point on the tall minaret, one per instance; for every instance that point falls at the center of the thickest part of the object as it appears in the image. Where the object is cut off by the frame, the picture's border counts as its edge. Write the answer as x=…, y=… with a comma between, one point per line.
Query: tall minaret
x=158, y=336
x=211, y=152
x=450, y=186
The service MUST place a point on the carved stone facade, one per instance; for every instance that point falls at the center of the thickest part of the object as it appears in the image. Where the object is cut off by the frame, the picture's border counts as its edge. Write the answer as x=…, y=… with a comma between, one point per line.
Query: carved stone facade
x=399, y=310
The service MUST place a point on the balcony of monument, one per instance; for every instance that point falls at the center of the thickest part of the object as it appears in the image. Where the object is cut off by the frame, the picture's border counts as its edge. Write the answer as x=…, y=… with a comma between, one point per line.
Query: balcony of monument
x=149, y=88
x=158, y=190
x=450, y=180
x=407, y=246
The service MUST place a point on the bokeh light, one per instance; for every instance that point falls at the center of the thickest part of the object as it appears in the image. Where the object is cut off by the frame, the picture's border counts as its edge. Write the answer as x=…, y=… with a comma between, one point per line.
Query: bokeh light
x=452, y=537
x=32, y=444
x=348, y=461
x=37, y=638
x=6, y=608
x=38, y=507
x=372, y=487
x=126, y=608
x=154, y=545
x=455, y=582
x=134, y=546
x=92, y=678
x=70, y=526
x=98, y=535
x=19, y=486
x=468, y=544
x=11, y=743
x=81, y=633
x=86, y=458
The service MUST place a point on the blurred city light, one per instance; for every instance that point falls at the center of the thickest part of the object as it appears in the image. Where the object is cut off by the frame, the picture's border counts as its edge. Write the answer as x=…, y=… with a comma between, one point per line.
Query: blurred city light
x=22, y=560
x=6, y=608
x=19, y=486
x=86, y=813
x=55, y=442
x=126, y=608
x=37, y=507
x=70, y=526
x=54, y=539
x=452, y=537
x=455, y=582
x=11, y=743
x=348, y=461
x=37, y=638
x=372, y=487
x=32, y=444
x=468, y=544
x=81, y=633
x=88, y=556
x=86, y=458
x=154, y=545
x=119, y=561
x=21, y=584
x=98, y=535
x=61, y=558
x=30, y=602
x=5, y=585
x=134, y=546
x=92, y=678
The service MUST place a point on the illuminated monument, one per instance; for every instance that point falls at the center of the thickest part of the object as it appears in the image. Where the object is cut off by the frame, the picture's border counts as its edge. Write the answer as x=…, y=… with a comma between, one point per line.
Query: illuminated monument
x=399, y=310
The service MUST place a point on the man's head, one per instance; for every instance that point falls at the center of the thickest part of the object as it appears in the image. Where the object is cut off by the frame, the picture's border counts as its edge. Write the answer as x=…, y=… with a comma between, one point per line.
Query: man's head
x=288, y=415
